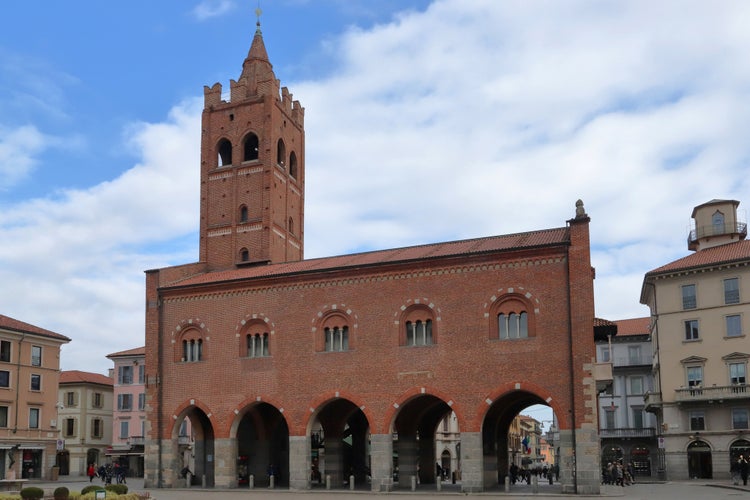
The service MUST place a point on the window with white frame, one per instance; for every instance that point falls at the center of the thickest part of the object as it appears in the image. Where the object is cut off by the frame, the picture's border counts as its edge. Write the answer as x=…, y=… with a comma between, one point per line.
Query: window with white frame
x=737, y=373
x=697, y=420
x=33, y=418
x=124, y=429
x=689, y=300
x=605, y=355
x=732, y=291
x=734, y=325
x=36, y=355
x=636, y=385
x=739, y=418
x=691, y=330
x=36, y=382
x=5, y=351
x=694, y=376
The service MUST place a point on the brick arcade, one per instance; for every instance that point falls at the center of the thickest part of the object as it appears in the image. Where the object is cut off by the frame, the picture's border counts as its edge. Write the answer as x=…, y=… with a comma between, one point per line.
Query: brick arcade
x=347, y=364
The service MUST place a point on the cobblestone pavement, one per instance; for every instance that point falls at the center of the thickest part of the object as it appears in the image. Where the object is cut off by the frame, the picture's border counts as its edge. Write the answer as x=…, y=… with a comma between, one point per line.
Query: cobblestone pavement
x=673, y=490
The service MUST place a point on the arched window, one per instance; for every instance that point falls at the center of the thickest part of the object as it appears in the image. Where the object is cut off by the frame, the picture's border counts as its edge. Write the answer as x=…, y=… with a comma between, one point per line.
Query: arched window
x=280, y=153
x=257, y=345
x=251, y=147
x=244, y=255
x=225, y=153
x=335, y=332
x=418, y=328
x=192, y=350
x=243, y=213
x=419, y=332
x=717, y=220
x=293, y=164
x=513, y=325
x=511, y=317
x=291, y=226
x=336, y=338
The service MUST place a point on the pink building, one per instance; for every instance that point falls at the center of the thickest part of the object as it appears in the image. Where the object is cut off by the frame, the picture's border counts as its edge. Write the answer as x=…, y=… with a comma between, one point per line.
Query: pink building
x=129, y=413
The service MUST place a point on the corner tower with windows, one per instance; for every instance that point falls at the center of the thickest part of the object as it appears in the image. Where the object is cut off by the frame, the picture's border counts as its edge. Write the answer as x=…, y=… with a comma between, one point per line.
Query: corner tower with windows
x=252, y=169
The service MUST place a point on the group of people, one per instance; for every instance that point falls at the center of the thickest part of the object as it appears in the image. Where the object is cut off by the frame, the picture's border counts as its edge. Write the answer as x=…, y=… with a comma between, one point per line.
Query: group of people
x=107, y=473
x=618, y=473
x=518, y=474
x=739, y=470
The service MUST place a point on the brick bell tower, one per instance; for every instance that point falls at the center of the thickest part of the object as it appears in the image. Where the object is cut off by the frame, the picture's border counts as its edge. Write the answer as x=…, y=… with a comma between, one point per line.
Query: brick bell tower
x=252, y=169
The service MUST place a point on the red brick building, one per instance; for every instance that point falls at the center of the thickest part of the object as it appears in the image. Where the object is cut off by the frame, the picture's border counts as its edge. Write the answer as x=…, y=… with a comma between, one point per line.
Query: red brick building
x=344, y=366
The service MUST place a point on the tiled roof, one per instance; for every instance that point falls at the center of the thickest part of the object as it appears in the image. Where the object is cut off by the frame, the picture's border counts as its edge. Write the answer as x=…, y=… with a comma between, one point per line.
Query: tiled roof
x=722, y=254
x=633, y=326
x=15, y=325
x=79, y=377
x=138, y=351
x=517, y=241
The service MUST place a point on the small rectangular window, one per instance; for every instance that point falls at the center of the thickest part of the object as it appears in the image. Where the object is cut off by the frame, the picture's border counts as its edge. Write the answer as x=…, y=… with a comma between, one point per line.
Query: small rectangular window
x=125, y=402
x=732, y=291
x=36, y=382
x=69, y=427
x=605, y=354
x=97, y=402
x=96, y=428
x=739, y=418
x=637, y=417
x=734, y=325
x=636, y=385
x=36, y=355
x=610, y=419
x=691, y=330
x=33, y=418
x=124, y=430
x=737, y=373
x=4, y=378
x=125, y=375
x=141, y=373
x=3, y=416
x=689, y=300
x=5, y=351
x=70, y=399
x=697, y=421
x=634, y=355
x=695, y=376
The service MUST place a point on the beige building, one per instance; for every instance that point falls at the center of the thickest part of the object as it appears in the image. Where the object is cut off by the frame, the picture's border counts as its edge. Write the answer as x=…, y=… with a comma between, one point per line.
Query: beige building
x=29, y=377
x=85, y=420
x=700, y=317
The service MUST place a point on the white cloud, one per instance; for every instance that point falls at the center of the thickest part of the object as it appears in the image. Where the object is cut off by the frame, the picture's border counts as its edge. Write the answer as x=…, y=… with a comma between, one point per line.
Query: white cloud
x=18, y=150
x=208, y=9
x=78, y=258
x=469, y=119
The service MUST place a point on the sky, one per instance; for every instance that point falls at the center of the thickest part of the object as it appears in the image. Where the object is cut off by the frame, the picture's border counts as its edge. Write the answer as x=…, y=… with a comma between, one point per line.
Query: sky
x=426, y=121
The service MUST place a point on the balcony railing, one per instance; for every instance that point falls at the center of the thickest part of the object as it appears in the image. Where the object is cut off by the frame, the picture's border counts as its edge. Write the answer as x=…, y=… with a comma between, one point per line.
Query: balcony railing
x=713, y=393
x=628, y=432
x=136, y=440
x=739, y=228
x=633, y=361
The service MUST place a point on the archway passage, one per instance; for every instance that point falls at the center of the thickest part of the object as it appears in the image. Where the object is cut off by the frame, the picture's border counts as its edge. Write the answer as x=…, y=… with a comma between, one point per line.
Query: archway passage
x=498, y=452
x=200, y=459
x=414, y=448
x=700, y=465
x=340, y=445
x=263, y=447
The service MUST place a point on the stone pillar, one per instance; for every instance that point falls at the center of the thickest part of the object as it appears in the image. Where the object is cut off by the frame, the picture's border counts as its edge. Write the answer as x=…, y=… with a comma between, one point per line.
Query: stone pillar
x=580, y=473
x=471, y=462
x=406, y=446
x=299, y=463
x=334, y=460
x=381, y=459
x=225, y=463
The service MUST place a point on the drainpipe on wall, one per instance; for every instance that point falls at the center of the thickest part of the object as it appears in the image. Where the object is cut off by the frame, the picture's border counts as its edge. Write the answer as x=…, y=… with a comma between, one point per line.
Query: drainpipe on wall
x=18, y=381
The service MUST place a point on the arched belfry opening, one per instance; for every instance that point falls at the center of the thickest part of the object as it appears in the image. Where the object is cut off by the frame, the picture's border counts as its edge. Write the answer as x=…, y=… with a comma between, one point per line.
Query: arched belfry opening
x=262, y=447
x=340, y=446
x=414, y=447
